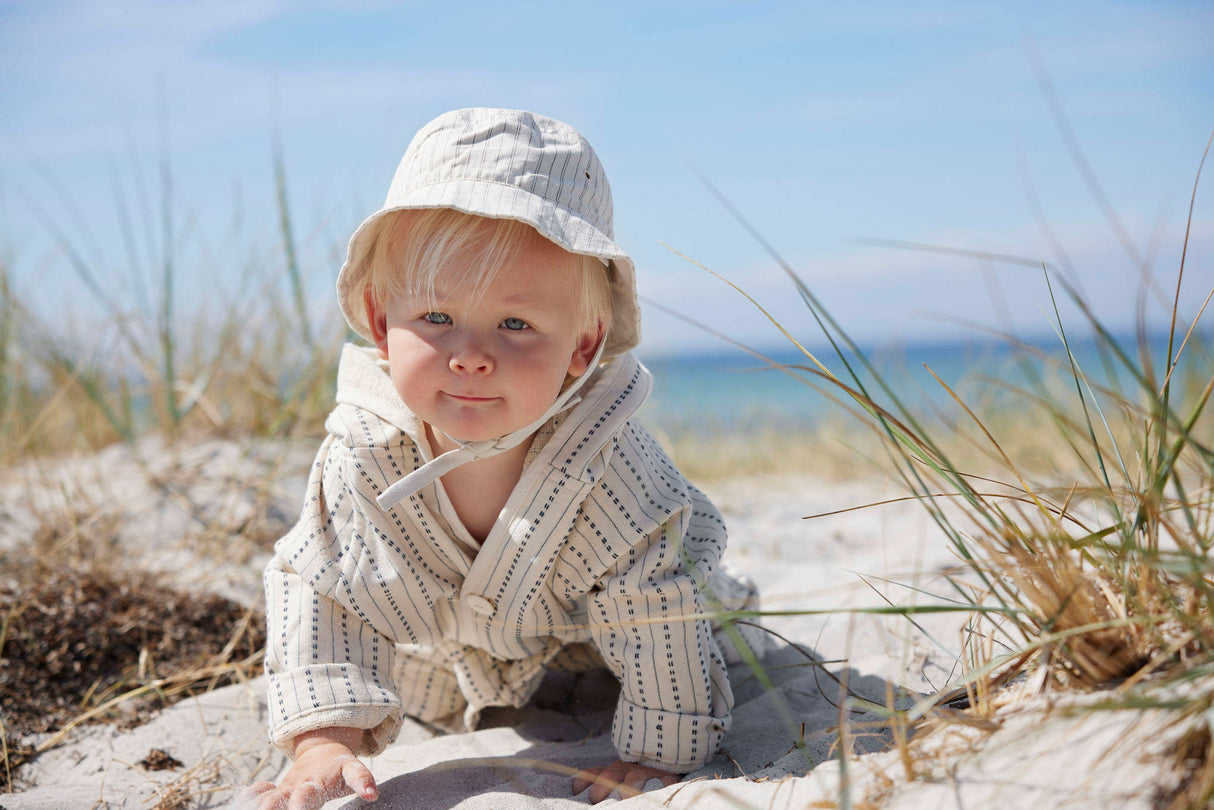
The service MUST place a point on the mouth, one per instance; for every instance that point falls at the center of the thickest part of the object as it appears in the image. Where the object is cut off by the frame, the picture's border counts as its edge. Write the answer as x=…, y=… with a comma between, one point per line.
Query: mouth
x=469, y=398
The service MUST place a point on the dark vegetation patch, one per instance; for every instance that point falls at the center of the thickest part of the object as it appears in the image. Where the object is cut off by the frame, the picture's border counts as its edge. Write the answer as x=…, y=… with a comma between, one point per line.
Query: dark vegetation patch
x=103, y=646
x=160, y=760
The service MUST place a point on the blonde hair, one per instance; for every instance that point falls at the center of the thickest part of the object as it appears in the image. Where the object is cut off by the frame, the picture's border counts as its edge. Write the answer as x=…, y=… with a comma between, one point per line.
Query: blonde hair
x=412, y=245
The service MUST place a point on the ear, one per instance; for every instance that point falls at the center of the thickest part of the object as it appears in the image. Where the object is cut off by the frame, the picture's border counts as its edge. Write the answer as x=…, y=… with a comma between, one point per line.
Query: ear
x=378, y=321
x=583, y=352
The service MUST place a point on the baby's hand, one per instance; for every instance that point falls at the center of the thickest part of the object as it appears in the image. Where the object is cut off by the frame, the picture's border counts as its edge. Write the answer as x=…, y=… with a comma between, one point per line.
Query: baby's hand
x=325, y=769
x=628, y=777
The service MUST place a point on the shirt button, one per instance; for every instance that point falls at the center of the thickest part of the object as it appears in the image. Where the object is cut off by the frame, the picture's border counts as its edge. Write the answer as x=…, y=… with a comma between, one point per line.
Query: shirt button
x=480, y=604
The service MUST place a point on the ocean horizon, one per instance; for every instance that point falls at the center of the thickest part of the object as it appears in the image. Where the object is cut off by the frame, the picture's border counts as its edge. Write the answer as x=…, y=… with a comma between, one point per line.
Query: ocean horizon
x=729, y=389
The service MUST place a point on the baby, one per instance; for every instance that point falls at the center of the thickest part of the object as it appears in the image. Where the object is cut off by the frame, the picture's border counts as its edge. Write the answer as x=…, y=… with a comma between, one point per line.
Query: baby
x=484, y=507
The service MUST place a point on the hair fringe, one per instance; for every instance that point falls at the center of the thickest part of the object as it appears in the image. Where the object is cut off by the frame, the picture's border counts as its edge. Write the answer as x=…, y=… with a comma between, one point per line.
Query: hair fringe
x=412, y=246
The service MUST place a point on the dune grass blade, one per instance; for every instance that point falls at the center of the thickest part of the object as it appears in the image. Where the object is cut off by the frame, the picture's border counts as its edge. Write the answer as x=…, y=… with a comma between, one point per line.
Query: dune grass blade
x=288, y=245
x=166, y=321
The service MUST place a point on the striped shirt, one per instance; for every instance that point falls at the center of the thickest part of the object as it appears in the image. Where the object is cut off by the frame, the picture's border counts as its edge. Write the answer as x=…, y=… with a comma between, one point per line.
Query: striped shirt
x=603, y=546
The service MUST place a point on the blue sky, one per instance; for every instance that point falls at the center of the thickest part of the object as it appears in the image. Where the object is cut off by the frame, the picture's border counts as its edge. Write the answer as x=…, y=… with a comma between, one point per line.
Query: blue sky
x=823, y=123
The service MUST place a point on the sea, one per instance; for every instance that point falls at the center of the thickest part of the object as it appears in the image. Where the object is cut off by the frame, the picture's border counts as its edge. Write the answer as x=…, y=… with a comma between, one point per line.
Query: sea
x=731, y=390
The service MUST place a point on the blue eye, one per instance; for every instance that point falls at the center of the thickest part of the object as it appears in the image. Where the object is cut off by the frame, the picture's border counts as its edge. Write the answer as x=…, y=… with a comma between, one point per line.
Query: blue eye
x=436, y=317
x=514, y=324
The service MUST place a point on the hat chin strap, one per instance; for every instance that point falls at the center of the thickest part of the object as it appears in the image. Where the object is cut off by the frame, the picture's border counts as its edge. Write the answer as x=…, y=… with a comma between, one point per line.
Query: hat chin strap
x=465, y=452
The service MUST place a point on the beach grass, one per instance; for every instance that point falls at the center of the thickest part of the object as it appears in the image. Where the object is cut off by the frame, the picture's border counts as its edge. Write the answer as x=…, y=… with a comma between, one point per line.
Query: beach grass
x=1090, y=568
x=171, y=357
x=88, y=636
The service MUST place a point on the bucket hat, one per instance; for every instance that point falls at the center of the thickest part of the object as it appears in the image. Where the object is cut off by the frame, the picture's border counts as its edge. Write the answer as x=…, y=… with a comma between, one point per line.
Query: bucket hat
x=505, y=164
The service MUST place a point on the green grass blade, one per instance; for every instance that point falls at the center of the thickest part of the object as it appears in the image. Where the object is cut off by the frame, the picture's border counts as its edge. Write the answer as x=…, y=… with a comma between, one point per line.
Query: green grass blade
x=288, y=245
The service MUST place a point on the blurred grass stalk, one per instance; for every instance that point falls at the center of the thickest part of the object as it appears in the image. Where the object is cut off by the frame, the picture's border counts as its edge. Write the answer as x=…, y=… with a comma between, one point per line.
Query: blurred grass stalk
x=1096, y=574
x=141, y=363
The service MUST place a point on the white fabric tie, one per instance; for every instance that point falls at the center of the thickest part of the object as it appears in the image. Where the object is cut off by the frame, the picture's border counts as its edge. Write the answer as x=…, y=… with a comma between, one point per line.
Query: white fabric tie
x=439, y=466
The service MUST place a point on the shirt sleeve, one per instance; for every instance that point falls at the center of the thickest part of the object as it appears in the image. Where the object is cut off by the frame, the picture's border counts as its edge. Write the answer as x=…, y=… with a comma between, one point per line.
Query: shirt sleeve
x=675, y=698
x=326, y=665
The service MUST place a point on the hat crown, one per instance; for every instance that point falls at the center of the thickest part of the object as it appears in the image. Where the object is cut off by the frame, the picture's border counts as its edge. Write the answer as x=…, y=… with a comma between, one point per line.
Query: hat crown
x=536, y=154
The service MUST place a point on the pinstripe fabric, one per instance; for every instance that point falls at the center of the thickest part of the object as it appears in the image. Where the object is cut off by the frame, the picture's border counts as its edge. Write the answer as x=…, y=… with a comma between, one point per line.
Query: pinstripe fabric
x=603, y=544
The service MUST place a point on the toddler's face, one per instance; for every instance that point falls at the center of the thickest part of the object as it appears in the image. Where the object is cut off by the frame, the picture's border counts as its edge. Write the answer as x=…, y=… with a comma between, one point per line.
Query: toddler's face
x=480, y=367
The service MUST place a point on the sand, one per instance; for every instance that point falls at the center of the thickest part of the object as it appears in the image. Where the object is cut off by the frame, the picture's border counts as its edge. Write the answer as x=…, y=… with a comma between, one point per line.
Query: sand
x=784, y=748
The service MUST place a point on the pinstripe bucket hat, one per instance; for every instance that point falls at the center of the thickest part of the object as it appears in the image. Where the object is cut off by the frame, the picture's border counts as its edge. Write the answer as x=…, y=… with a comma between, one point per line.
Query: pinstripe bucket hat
x=505, y=164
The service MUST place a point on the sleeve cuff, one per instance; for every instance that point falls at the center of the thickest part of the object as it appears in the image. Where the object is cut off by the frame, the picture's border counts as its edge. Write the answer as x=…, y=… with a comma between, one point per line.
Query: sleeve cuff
x=305, y=700
x=674, y=742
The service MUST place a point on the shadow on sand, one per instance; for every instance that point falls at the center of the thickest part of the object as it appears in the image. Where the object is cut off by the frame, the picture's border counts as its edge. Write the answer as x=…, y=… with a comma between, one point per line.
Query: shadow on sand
x=525, y=757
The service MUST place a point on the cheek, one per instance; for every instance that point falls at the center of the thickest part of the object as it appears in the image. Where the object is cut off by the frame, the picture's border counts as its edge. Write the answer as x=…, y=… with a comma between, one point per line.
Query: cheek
x=407, y=345
x=410, y=360
x=547, y=374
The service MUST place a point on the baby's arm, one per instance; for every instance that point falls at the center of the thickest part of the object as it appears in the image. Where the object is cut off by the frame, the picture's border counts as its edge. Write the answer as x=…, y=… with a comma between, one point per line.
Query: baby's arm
x=647, y=620
x=629, y=777
x=325, y=768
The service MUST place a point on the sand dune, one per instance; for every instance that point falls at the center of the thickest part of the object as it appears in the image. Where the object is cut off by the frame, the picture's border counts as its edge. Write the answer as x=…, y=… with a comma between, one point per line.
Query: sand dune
x=783, y=750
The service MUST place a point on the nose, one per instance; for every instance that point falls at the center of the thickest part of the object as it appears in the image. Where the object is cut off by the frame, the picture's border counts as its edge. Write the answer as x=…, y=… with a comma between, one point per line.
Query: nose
x=469, y=358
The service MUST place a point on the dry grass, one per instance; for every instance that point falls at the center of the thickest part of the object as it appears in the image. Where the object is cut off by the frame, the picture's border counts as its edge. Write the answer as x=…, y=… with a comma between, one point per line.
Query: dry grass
x=1193, y=772
x=88, y=637
x=62, y=398
x=86, y=645
x=826, y=452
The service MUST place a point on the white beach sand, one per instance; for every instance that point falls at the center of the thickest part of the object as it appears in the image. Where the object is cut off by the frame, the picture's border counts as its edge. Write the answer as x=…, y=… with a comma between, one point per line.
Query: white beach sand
x=784, y=746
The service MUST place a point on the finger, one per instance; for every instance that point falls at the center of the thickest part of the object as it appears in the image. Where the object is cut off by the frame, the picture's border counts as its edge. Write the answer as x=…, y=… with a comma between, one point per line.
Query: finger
x=306, y=797
x=360, y=780
x=607, y=781
x=271, y=800
x=584, y=779
x=257, y=788
x=633, y=784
